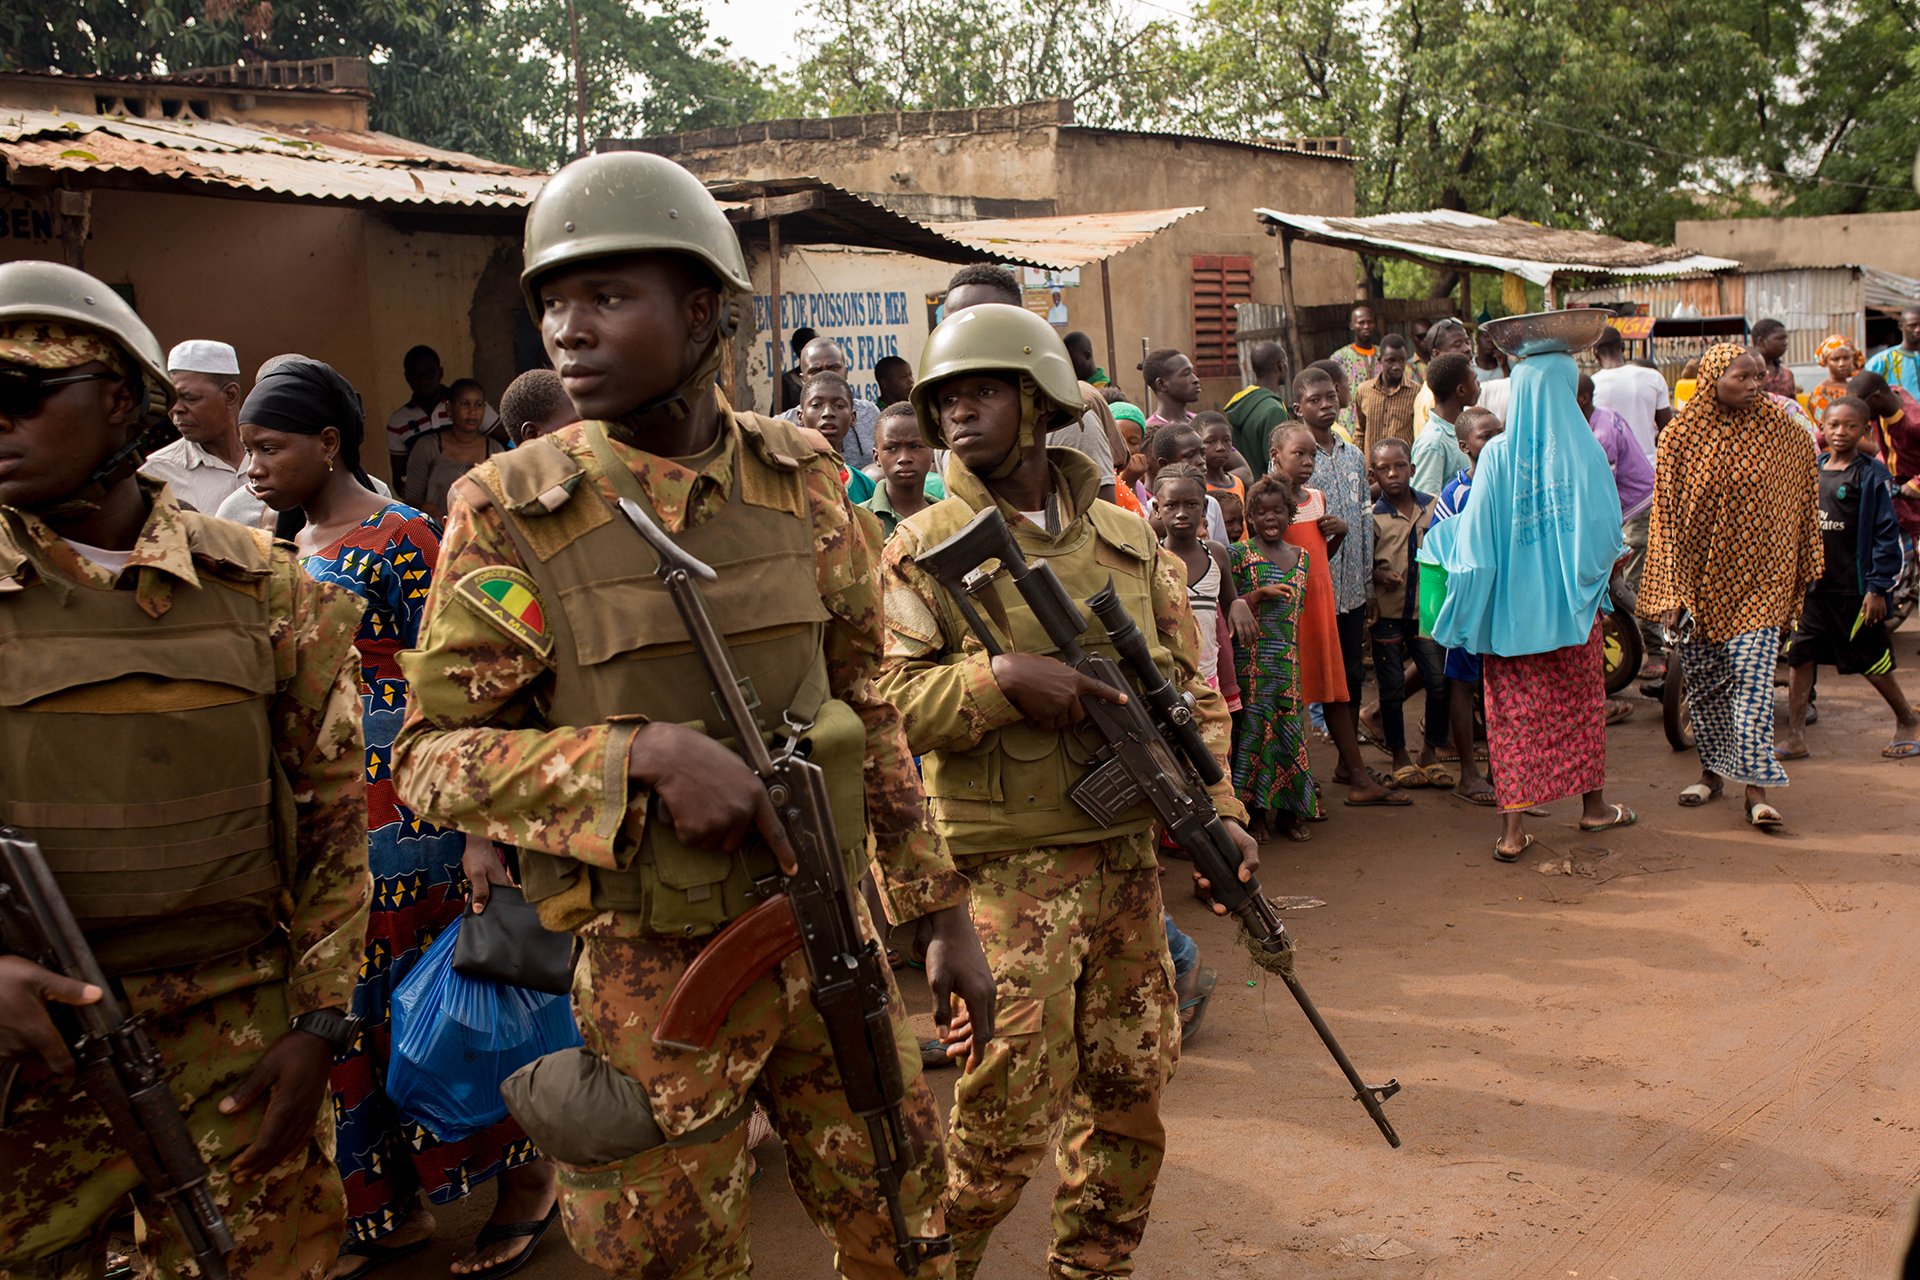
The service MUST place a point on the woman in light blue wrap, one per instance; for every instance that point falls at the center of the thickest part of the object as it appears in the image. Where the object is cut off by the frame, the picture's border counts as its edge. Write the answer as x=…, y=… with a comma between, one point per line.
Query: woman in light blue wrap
x=1527, y=566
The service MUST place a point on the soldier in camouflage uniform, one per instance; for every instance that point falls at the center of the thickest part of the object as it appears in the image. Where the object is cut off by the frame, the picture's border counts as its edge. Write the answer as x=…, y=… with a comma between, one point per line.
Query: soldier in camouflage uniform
x=1068, y=907
x=556, y=707
x=180, y=731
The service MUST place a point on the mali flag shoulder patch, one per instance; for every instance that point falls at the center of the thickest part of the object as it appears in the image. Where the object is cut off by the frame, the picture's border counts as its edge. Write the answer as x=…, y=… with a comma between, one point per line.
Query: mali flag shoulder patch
x=508, y=598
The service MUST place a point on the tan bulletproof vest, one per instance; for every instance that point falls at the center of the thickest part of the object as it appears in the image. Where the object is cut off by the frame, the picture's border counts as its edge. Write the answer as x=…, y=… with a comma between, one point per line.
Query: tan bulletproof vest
x=1009, y=791
x=138, y=752
x=621, y=652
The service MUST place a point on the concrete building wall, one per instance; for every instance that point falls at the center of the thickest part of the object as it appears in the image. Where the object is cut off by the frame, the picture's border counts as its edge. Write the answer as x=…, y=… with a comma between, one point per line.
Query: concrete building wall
x=340, y=285
x=1080, y=171
x=1889, y=241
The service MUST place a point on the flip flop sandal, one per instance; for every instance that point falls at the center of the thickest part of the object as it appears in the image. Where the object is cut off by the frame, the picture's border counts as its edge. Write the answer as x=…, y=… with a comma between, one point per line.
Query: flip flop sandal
x=1392, y=800
x=532, y=1231
x=1485, y=799
x=1698, y=794
x=933, y=1056
x=1794, y=755
x=1904, y=749
x=1411, y=776
x=1438, y=775
x=1512, y=855
x=380, y=1255
x=1618, y=710
x=1190, y=1026
x=1764, y=817
x=1622, y=817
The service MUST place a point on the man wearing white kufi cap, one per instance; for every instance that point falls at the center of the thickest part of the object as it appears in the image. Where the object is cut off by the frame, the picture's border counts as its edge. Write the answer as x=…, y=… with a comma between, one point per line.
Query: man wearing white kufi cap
x=203, y=465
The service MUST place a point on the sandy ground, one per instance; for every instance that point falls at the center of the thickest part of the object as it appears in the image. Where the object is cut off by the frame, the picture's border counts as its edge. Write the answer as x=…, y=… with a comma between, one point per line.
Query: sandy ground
x=1680, y=1051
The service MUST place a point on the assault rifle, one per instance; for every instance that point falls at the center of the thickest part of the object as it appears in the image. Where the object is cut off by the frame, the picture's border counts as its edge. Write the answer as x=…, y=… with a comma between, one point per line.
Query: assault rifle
x=1151, y=747
x=117, y=1063
x=812, y=912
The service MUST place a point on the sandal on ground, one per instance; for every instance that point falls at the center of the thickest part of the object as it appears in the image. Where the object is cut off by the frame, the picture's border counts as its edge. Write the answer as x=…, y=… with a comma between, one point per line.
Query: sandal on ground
x=933, y=1055
x=1296, y=833
x=493, y=1234
x=1622, y=817
x=1901, y=749
x=1410, y=776
x=1781, y=753
x=1438, y=775
x=1194, y=1008
x=380, y=1255
x=1618, y=709
x=1392, y=799
x=1764, y=816
x=1485, y=799
x=1698, y=794
x=1512, y=855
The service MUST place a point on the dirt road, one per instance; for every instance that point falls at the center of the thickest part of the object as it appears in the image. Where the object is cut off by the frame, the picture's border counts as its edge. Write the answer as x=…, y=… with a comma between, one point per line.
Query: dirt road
x=1695, y=1057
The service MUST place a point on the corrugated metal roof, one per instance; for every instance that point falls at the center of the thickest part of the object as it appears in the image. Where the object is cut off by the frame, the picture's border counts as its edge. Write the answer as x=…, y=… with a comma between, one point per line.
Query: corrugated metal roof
x=1450, y=238
x=1068, y=240
x=1889, y=292
x=812, y=211
x=297, y=162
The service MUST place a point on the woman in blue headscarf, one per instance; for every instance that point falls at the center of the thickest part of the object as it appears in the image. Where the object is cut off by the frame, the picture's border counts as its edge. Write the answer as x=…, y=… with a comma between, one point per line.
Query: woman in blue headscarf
x=1527, y=566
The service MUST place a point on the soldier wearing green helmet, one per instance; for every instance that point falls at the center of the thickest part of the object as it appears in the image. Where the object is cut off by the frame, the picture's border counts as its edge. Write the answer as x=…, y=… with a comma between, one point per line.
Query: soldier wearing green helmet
x=180, y=733
x=1069, y=909
x=556, y=707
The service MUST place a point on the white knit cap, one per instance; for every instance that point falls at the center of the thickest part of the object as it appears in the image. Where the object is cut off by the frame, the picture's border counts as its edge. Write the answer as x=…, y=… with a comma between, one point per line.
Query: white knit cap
x=203, y=355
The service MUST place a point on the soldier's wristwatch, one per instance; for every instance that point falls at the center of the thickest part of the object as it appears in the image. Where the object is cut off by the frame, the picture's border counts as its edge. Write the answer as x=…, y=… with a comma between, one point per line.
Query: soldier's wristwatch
x=336, y=1028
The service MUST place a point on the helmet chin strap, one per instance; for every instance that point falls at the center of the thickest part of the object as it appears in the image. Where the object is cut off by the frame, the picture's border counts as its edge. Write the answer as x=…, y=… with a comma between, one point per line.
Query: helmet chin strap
x=92, y=491
x=1030, y=430
x=675, y=405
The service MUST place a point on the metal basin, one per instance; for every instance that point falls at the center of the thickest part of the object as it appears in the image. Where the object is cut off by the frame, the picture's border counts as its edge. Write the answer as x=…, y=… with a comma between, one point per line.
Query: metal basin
x=1541, y=331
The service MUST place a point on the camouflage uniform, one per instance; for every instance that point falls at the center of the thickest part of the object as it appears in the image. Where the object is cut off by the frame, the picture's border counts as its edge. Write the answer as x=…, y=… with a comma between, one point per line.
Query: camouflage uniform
x=476, y=753
x=213, y=1022
x=1087, y=1030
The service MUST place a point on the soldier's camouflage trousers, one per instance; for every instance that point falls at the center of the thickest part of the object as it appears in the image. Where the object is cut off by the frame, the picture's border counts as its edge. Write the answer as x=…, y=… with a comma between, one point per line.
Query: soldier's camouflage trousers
x=64, y=1177
x=1087, y=1031
x=681, y=1211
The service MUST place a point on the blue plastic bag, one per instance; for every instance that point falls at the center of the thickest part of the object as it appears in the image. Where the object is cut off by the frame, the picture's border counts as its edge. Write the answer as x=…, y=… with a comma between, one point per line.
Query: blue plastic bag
x=456, y=1039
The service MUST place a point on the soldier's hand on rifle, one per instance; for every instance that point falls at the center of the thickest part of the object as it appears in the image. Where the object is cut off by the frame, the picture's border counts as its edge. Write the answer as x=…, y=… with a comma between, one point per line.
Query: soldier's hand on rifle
x=1048, y=692
x=1249, y=861
x=483, y=868
x=956, y=966
x=25, y=1028
x=293, y=1075
x=708, y=793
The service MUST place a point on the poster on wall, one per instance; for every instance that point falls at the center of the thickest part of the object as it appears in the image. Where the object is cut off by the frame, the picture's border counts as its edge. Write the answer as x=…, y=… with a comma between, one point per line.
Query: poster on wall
x=1044, y=298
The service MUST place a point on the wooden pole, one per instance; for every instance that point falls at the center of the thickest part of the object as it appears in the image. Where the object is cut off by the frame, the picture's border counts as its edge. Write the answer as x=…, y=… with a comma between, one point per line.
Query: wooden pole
x=1466, y=297
x=1286, y=300
x=777, y=366
x=579, y=84
x=1106, y=301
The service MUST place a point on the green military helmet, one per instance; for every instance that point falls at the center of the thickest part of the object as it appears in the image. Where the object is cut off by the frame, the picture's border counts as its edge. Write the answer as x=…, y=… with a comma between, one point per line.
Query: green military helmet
x=620, y=202
x=995, y=338
x=50, y=291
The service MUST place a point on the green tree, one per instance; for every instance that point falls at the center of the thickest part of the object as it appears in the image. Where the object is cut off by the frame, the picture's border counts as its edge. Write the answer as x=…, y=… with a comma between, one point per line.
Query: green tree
x=1854, y=119
x=493, y=77
x=949, y=54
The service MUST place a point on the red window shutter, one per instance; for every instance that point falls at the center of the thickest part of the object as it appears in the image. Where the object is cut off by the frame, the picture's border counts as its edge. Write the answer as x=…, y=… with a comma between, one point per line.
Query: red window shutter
x=1218, y=282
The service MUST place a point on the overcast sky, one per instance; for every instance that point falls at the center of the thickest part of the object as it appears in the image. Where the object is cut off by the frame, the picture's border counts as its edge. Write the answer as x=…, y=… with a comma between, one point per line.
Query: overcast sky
x=758, y=30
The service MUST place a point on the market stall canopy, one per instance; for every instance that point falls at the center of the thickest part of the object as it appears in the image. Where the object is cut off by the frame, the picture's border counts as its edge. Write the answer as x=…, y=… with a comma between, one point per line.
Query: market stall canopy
x=1449, y=238
x=303, y=163
x=1065, y=241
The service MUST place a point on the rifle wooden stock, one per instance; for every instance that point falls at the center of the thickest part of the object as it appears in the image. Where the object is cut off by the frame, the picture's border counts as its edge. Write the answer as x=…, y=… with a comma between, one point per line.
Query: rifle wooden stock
x=739, y=956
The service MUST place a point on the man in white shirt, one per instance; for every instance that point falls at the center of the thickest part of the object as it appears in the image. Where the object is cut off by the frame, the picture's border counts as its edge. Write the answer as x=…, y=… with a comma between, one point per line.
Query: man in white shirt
x=203, y=466
x=1633, y=391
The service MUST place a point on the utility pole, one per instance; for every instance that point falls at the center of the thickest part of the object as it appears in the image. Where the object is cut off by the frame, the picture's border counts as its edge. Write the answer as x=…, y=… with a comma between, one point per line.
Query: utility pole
x=579, y=84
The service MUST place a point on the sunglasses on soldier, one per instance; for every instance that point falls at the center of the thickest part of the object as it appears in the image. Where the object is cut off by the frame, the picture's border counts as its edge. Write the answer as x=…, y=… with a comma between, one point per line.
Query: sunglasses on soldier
x=23, y=391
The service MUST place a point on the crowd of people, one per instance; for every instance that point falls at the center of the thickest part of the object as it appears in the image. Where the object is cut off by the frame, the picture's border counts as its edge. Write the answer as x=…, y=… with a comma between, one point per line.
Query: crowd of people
x=337, y=714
